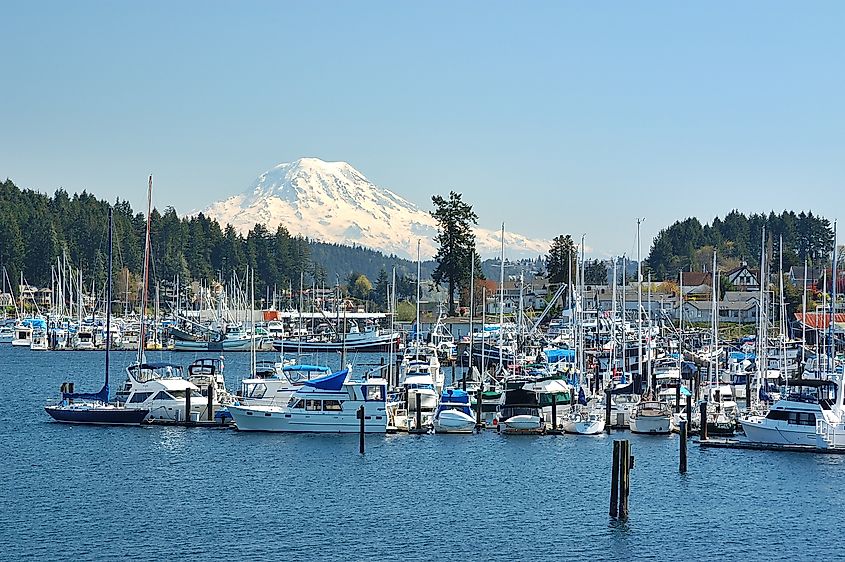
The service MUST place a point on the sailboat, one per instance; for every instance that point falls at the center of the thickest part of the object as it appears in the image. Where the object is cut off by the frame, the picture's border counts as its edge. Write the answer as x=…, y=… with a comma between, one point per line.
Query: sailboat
x=95, y=408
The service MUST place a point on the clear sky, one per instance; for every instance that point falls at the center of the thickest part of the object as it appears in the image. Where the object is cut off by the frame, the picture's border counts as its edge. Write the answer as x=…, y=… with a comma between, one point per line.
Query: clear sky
x=555, y=117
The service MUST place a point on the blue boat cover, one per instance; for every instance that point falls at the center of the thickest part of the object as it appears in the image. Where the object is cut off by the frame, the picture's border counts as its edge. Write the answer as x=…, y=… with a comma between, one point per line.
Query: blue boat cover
x=685, y=391
x=740, y=356
x=305, y=368
x=582, y=398
x=555, y=355
x=455, y=395
x=102, y=396
x=333, y=381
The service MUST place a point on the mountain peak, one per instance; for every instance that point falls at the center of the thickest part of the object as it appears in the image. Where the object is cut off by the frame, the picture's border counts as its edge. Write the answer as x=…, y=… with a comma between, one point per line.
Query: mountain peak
x=334, y=202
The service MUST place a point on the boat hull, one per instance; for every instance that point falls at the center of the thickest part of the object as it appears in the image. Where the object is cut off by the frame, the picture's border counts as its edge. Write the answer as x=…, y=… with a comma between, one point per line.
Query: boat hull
x=96, y=415
x=584, y=427
x=379, y=345
x=275, y=419
x=777, y=434
x=655, y=425
x=453, y=421
x=522, y=425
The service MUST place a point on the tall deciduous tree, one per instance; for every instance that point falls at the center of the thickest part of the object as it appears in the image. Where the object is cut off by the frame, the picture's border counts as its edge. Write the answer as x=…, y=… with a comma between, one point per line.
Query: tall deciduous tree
x=456, y=239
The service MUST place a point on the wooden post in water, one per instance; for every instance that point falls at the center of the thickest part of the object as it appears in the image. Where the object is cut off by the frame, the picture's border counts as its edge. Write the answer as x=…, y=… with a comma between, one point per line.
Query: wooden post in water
x=554, y=411
x=453, y=373
x=187, y=406
x=478, y=407
x=625, y=464
x=703, y=430
x=361, y=431
x=689, y=411
x=608, y=424
x=419, y=413
x=678, y=397
x=683, y=444
x=614, y=481
x=748, y=391
x=209, y=409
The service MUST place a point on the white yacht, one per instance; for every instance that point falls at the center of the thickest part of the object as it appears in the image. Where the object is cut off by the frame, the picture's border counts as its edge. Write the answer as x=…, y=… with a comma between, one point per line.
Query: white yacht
x=805, y=416
x=325, y=405
x=651, y=417
x=7, y=334
x=274, y=383
x=453, y=414
x=85, y=339
x=23, y=335
x=160, y=388
x=520, y=413
x=584, y=420
x=39, y=339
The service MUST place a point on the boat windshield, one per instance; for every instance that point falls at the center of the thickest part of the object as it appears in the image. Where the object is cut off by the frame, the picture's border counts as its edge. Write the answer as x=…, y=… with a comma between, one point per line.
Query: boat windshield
x=423, y=386
x=510, y=411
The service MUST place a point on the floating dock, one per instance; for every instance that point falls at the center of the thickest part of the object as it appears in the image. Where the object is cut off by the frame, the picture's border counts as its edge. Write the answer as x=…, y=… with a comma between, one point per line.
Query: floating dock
x=740, y=444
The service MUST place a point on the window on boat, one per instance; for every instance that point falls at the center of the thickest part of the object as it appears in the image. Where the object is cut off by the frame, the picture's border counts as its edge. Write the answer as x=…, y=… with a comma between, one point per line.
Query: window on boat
x=139, y=397
x=313, y=405
x=162, y=395
x=802, y=418
x=255, y=390
x=332, y=405
x=180, y=394
x=296, y=403
x=777, y=415
x=375, y=393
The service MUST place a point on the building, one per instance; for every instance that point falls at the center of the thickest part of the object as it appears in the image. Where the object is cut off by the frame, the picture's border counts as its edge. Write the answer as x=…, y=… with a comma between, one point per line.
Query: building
x=743, y=278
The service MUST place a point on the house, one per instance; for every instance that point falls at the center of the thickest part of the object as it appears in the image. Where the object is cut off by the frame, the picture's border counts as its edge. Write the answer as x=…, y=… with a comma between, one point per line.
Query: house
x=813, y=279
x=696, y=284
x=738, y=308
x=743, y=278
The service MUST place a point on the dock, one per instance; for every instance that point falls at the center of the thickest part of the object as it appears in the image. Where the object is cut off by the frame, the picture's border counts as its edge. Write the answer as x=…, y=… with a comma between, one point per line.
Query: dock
x=184, y=423
x=750, y=445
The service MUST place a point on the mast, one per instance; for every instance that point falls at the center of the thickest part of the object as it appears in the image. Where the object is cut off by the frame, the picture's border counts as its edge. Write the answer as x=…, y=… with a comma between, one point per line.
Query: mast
x=471, y=312
x=612, y=362
x=804, y=310
x=581, y=328
x=502, y=302
x=419, y=282
x=108, y=304
x=252, y=314
x=392, y=308
x=831, y=331
x=145, y=283
x=680, y=322
x=483, y=334
x=782, y=320
x=625, y=320
x=762, y=367
x=640, y=308
x=715, y=353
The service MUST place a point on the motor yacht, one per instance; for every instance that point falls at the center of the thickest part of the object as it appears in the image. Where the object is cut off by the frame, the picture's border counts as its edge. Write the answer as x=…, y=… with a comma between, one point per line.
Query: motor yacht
x=325, y=405
x=161, y=389
x=274, y=383
x=520, y=413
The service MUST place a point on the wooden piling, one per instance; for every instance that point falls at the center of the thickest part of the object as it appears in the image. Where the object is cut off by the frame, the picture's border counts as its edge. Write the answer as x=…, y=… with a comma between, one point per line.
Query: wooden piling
x=689, y=411
x=625, y=463
x=453, y=373
x=678, y=398
x=703, y=430
x=209, y=409
x=614, y=481
x=361, y=431
x=682, y=467
x=187, y=406
x=419, y=413
x=748, y=391
x=554, y=411
x=478, y=407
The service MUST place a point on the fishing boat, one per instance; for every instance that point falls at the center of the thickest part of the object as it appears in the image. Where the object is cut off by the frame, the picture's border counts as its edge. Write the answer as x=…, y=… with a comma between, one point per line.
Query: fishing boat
x=520, y=413
x=95, y=408
x=453, y=414
x=651, y=417
x=325, y=405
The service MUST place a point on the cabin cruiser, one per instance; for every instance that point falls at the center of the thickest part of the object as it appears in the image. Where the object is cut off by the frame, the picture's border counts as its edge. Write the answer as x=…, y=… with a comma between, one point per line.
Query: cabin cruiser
x=39, y=339
x=274, y=383
x=85, y=339
x=810, y=414
x=520, y=413
x=325, y=405
x=453, y=414
x=651, y=417
x=550, y=390
x=207, y=375
x=23, y=334
x=160, y=388
x=722, y=410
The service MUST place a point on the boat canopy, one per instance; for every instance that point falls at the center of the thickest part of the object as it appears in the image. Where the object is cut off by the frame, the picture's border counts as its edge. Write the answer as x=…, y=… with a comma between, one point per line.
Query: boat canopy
x=299, y=367
x=555, y=355
x=333, y=381
x=154, y=366
x=101, y=396
x=455, y=395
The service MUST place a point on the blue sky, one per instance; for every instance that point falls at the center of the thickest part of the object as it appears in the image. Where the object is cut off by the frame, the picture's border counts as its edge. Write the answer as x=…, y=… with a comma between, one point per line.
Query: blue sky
x=555, y=117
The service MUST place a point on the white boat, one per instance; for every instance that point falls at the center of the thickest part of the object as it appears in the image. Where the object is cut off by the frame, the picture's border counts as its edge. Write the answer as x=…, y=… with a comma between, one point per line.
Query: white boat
x=23, y=335
x=584, y=421
x=274, y=383
x=793, y=419
x=85, y=339
x=453, y=414
x=651, y=417
x=7, y=334
x=325, y=405
x=520, y=413
x=39, y=339
x=160, y=388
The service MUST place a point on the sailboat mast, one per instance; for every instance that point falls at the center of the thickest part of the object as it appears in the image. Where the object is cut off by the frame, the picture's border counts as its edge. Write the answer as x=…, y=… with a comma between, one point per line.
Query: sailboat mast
x=502, y=301
x=145, y=282
x=804, y=310
x=831, y=332
x=108, y=299
x=419, y=281
x=640, y=307
x=762, y=367
x=715, y=353
x=471, y=308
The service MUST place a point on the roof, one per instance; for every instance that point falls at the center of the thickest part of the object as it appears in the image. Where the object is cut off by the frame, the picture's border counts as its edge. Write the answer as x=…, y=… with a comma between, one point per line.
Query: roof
x=819, y=319
x=695, y=278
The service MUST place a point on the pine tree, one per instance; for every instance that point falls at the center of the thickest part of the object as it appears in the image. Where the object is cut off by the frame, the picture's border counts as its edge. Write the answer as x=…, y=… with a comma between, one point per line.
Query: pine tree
x=561, y=260
x=456, y=240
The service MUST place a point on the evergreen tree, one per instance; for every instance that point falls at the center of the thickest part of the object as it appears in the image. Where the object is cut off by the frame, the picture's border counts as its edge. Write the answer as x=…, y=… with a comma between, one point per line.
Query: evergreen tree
x=456, y=241
x=561, y=261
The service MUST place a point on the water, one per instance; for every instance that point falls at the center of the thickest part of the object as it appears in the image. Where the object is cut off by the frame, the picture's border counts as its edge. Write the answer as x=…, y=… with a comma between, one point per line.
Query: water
x=156, y=493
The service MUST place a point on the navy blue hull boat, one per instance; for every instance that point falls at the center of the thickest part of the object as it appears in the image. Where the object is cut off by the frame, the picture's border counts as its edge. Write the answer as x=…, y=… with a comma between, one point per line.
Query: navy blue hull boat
x=95, y=408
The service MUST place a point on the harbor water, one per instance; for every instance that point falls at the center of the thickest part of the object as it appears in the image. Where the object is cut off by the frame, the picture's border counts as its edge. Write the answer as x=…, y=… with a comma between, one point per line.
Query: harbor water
x=167, y=493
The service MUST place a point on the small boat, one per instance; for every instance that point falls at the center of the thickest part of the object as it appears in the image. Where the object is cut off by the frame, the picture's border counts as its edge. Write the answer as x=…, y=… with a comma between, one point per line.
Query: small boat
x=23, y=334
x=520, y=413
x=95, y=408
x=7, y=334
x=651, y=417
x=39, y=339
x=454, y=415
x=325, y=405
x=584, y=421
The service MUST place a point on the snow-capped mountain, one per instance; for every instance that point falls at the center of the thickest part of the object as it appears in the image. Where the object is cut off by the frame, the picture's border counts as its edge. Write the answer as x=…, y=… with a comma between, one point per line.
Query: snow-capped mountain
x=334, y=202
